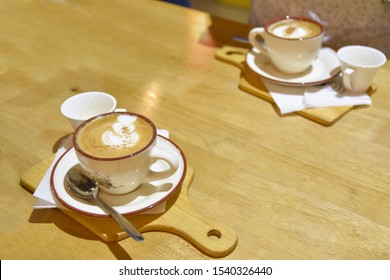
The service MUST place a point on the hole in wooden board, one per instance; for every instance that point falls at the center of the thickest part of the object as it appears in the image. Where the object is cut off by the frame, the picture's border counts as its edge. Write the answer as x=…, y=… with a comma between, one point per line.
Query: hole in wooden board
x=214, y=234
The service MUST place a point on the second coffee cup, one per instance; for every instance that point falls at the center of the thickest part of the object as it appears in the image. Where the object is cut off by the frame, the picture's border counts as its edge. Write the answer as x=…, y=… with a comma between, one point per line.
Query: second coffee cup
x=359, y=65
x=291, y=43
x=117, y=150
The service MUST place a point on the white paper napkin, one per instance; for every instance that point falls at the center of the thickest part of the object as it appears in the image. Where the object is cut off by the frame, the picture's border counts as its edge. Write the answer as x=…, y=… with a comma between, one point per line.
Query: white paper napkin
x=44, y=197
x=288, y=99
x=326, y=96
x=292, y=99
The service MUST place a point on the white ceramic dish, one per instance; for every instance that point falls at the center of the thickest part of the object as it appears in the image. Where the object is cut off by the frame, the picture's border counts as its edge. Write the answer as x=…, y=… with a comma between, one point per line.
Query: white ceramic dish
x=325, y=68
x=144, y=198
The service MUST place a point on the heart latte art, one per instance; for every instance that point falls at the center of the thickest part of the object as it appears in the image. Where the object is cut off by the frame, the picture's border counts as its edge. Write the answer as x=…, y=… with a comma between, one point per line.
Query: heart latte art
x=295, y=29
x=114, y=135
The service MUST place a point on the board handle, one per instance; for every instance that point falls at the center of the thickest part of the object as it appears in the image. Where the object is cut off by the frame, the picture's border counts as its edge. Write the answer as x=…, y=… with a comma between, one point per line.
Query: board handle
x=183, y=220
x=205, y=235
x=232, y=55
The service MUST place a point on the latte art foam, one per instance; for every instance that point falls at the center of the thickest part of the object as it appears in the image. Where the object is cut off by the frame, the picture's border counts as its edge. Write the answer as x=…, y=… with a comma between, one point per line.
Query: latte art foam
x=122, y=134
x=114, y=135
x=294, y=29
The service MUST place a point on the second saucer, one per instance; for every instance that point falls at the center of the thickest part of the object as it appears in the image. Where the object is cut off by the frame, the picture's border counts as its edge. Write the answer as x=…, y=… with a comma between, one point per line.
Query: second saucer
x=325, y=68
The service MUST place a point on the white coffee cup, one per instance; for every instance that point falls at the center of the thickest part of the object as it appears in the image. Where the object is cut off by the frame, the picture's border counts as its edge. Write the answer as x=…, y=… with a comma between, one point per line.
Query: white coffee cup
x=80, y=107
x=118, y=149
x=359, y=65
x=291, y=43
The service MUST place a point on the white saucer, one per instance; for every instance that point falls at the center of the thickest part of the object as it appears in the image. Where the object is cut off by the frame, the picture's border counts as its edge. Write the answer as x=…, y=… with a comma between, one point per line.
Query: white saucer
x=145, y=197
x=325, y=68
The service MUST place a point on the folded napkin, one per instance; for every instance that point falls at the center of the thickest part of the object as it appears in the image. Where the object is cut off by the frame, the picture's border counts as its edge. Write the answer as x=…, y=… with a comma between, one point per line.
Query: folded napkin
x=44, y=197
x=292, y=99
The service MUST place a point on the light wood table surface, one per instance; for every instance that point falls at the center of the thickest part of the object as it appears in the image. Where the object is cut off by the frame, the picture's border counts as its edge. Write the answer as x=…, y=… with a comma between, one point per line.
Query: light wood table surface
x=289, y=187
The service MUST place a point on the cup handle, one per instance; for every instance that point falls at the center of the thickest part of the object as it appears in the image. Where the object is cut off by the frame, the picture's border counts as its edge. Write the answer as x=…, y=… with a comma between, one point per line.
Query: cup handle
x=169, y=158
x=259, y=31
x=347, y=77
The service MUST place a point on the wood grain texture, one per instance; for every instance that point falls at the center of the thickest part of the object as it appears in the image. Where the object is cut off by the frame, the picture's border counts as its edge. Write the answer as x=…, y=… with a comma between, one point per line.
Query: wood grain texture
x=288, y=187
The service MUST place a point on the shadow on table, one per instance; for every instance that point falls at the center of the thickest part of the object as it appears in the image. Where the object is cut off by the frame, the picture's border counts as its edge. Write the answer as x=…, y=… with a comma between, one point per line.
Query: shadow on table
x=63, y=222
x=222, y=31
x=70, y=226
x=98, y=229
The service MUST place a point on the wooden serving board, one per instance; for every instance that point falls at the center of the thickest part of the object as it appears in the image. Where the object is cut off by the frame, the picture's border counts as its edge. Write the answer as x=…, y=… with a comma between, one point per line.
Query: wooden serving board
x=252, y=83
x=180, y=218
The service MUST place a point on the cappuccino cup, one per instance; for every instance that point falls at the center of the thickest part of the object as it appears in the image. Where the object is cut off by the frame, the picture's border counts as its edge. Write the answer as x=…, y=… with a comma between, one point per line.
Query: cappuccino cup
x=291, y=43
x=80, y=107
x=117, y=151
x=359, y=65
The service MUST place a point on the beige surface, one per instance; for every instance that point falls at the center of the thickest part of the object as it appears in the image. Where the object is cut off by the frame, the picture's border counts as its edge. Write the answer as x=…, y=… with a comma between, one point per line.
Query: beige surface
x=289, y=187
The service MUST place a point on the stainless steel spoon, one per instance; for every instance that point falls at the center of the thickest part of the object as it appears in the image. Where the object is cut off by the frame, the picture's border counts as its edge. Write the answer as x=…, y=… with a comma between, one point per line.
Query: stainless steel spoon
x=85, y=188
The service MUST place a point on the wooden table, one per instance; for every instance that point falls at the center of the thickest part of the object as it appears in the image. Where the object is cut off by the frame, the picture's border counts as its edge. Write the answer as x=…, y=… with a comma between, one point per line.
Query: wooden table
x=289, y=187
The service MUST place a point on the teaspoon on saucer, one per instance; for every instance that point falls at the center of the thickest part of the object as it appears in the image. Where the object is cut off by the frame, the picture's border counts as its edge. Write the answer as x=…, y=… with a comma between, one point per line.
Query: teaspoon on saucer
x=85, y=188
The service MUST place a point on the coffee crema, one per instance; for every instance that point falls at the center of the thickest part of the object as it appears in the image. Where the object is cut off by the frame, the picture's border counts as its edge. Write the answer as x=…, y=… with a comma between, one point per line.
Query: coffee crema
x=294, y=29
x=114, y=135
